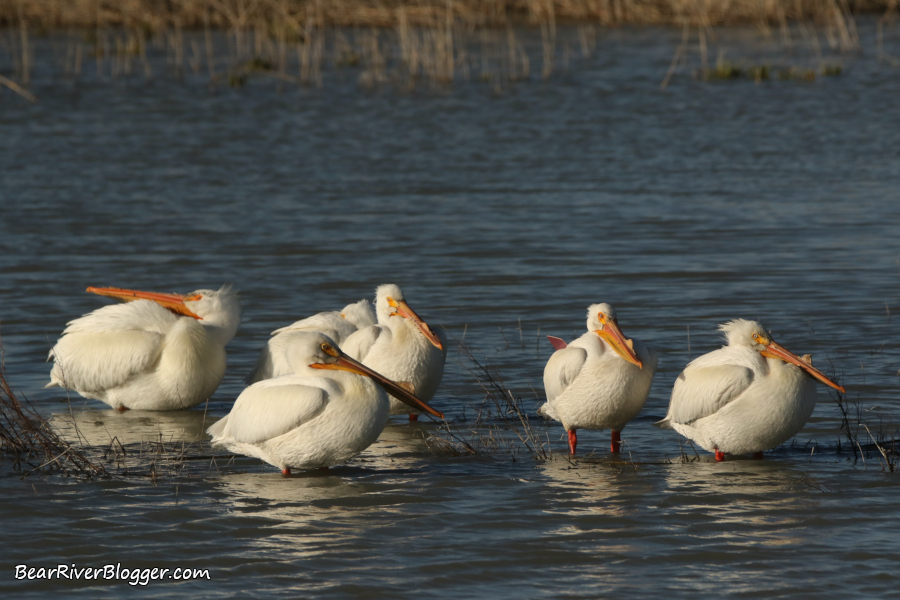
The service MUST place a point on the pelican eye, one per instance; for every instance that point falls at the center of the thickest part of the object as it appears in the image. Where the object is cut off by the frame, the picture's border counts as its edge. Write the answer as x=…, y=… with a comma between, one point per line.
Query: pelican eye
x=325, y=347
x=760, y=339
x=194, y=298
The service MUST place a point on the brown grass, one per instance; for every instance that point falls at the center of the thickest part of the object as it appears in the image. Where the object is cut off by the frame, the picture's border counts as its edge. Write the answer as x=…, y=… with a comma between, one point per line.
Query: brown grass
x=32, y=445
x=403, y=43
x=296, y=15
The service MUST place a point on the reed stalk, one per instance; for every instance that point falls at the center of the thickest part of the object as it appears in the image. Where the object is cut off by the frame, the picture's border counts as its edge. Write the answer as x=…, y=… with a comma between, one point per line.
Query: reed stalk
x=400, y=41
x=33, y=445
x=501, y=424
x=25, y=68
x=238, y=14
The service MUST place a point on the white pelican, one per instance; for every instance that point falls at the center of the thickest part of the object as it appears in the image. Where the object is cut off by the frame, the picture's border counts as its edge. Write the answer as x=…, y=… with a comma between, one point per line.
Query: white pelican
x=401, y=346
x=156, y=352
x=746, y=397
x=338, y=325
x=304, y=422
x=599, y=380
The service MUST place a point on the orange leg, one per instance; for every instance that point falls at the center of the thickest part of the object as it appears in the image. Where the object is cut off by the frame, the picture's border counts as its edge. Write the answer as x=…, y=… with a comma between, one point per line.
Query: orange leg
x=286, y=473
x=615, y=442
x=720, y=456
x=413, y=418
x=573, y=441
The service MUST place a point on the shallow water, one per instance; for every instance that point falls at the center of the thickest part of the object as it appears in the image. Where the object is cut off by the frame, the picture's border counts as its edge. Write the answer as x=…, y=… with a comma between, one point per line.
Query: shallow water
x=502, y=215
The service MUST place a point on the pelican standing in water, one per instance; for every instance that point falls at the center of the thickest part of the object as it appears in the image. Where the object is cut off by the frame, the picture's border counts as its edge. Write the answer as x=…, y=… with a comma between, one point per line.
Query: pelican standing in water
x=402, y=347
x=746, y=397
x=601, y=380
x=301, y=421
x=338, y=325
x=155, y=352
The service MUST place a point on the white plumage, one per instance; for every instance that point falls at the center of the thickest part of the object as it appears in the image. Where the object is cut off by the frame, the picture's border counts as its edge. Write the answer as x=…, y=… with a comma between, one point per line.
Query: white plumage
x=750, y=395
x=400, y=346
x=302, y=421
x=142, y=355
x=338, y=325
x=600, y=380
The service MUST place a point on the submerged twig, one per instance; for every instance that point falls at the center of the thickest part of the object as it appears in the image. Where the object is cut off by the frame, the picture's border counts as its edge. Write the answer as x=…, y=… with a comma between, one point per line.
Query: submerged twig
x=18, y=89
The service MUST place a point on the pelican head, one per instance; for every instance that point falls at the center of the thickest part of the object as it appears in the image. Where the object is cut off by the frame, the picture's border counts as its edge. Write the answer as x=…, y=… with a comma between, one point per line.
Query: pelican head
x=360, y=314
x=305, y=348
x=208, y=303
x=327, y=355
x=389, y=303
x=602, y=320
x=384, y=296
x=741, y=332
x=598, y=314
x=219, y=309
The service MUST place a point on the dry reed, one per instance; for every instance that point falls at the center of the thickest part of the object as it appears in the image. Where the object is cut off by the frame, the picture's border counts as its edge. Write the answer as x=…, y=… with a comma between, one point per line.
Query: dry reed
x=33, y=444
x=30, y=444
x=394, y=41
x=501, y=423
x=296, y=15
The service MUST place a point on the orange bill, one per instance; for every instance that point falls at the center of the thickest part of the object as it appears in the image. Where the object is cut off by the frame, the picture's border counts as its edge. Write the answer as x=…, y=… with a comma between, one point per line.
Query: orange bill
x=774, y=350
x=406, y=312
x=623, y=347
x=345, y=363
x=173, y=302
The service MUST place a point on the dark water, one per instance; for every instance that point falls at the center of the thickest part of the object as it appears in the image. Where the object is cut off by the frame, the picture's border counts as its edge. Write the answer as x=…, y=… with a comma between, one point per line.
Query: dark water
x=502, y=215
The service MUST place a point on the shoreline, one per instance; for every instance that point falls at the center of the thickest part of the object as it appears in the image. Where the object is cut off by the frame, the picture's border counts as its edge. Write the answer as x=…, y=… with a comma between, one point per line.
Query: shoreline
x=300, y=15
x=406, y=45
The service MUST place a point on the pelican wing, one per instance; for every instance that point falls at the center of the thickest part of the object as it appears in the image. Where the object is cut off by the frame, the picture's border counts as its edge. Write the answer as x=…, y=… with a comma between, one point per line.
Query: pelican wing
x=331, y=324
x=562, y=369
x=106, y=348
x=272, y=408
x=264, y=367
x=700, y=392
x=140, y=315
x=359, y=344
x=323, y=319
